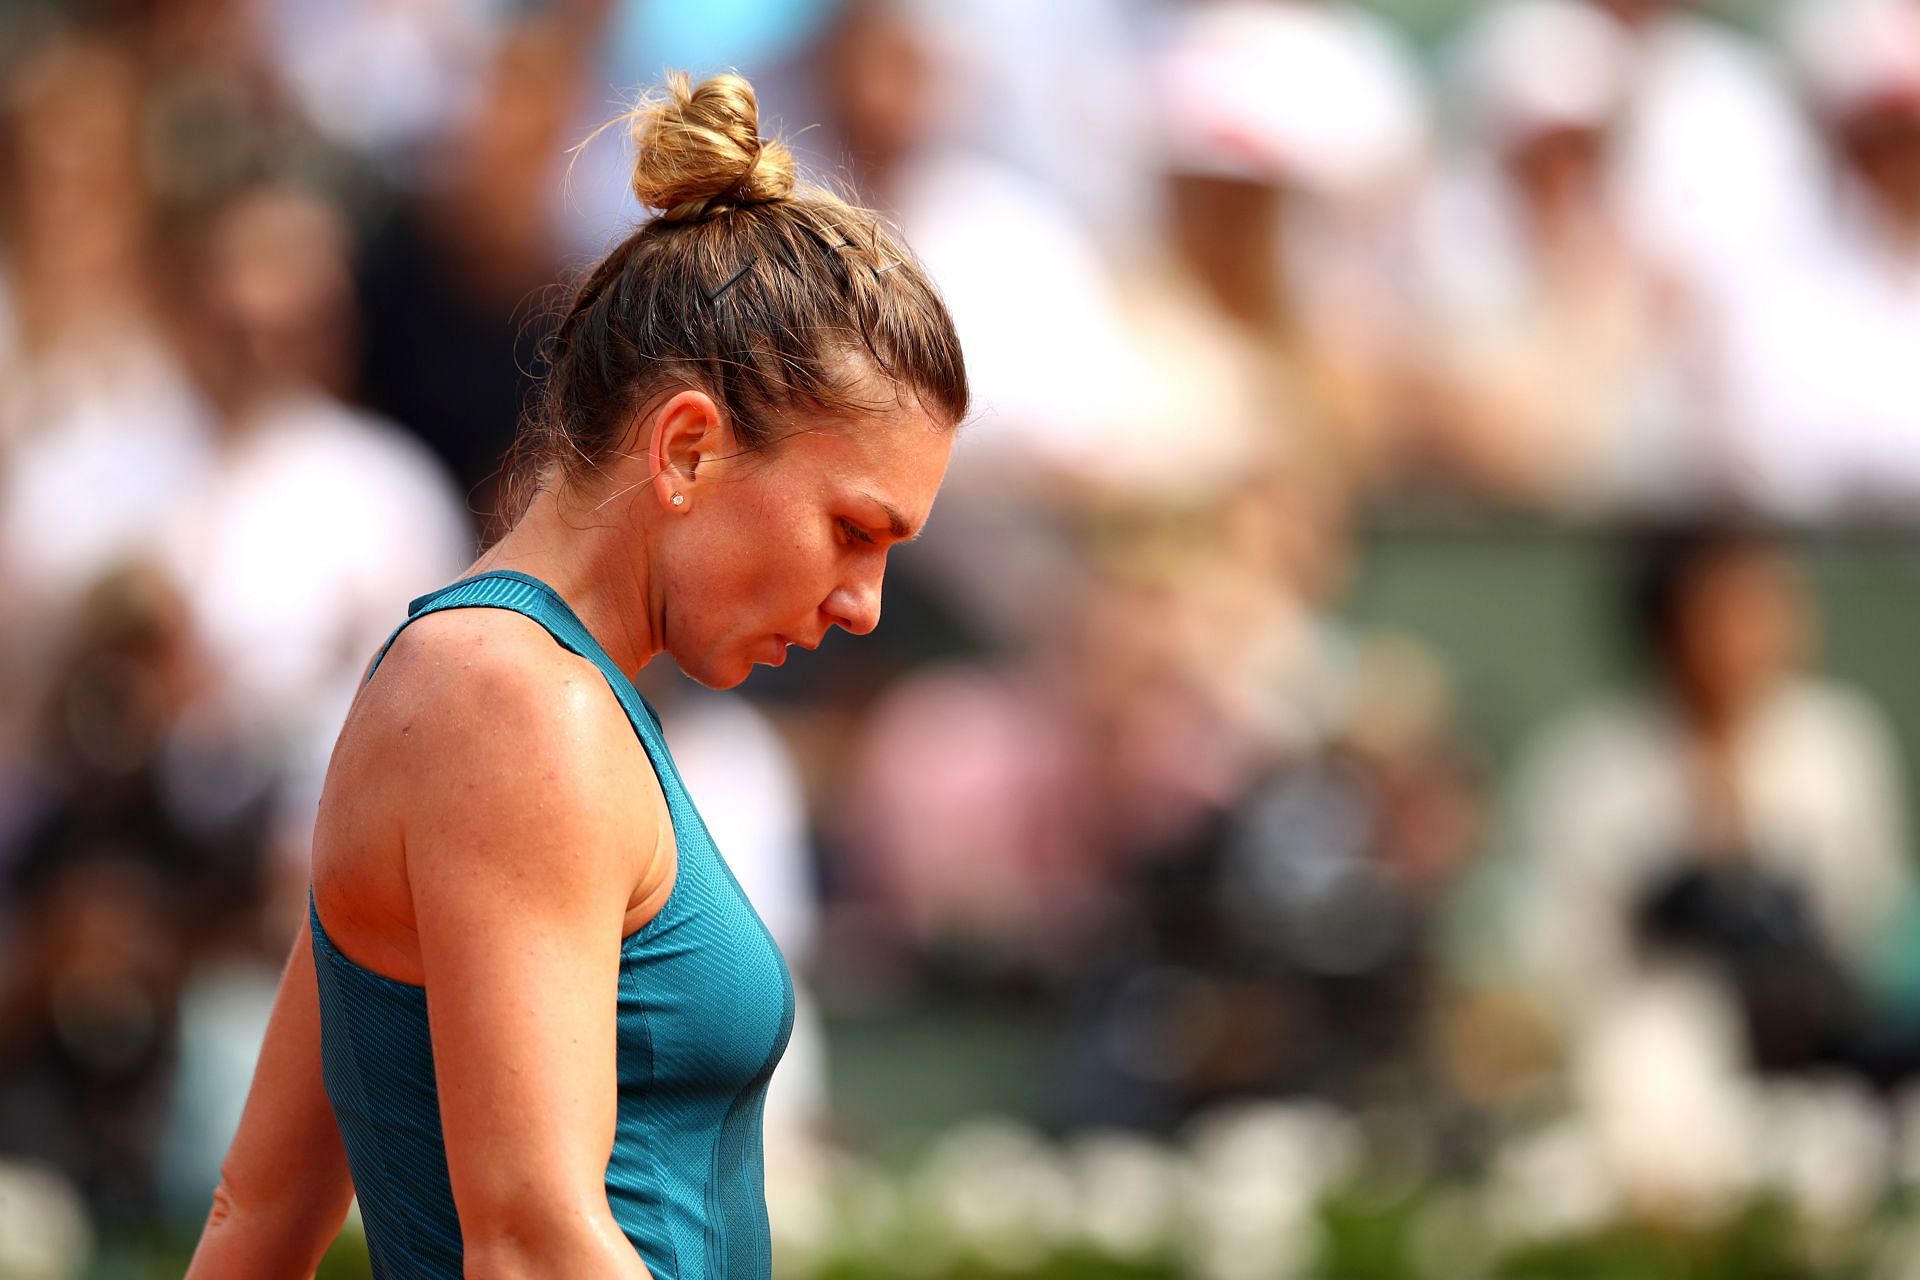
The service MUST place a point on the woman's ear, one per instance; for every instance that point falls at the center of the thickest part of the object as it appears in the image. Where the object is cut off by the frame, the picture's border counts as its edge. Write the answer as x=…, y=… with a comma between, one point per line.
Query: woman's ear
x=687, y=431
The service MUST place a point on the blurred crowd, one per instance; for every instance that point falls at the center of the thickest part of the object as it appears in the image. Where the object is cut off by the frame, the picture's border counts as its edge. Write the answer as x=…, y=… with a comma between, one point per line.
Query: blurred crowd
x=1234, y=279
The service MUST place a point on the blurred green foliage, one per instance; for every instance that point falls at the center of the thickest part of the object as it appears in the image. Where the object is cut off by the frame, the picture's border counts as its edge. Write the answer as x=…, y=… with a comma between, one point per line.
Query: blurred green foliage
x=1364, y=1234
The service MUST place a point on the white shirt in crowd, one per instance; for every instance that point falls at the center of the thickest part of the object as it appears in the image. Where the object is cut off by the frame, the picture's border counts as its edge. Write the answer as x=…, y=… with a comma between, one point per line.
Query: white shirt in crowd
x=1603, y=810
x=298, y=556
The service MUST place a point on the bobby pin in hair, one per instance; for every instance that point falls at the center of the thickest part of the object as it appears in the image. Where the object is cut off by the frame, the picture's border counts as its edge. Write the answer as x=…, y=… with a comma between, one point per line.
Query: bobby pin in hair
x=731, y=281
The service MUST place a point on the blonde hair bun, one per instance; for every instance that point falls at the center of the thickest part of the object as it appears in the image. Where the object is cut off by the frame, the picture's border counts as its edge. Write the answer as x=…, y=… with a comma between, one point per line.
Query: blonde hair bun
x=698, y=149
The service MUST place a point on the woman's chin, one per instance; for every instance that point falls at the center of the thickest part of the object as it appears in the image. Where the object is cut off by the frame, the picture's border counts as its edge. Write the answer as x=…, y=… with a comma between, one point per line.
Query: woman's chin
x=709, y=675
x=723, y=680
x=732, y=674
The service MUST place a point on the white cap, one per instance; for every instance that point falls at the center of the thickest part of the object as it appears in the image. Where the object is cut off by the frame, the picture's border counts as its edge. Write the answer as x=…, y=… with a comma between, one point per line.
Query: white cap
x=1536, y=66
x=1857, y=55
x=1321, y=96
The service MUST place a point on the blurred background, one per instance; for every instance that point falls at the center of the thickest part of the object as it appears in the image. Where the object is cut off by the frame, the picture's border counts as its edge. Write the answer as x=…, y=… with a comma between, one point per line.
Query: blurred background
x=1395, y=757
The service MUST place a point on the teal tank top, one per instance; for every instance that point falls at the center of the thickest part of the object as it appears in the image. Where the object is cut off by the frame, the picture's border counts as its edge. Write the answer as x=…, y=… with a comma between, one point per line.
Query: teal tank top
x=704, y=1012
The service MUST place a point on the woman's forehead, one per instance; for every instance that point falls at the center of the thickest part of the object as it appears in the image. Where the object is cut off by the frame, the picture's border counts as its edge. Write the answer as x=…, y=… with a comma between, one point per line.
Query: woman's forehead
x=893, y=461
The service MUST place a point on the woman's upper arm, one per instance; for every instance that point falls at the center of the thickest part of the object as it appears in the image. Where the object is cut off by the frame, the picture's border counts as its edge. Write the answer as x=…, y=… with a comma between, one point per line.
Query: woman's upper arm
x=528, y=838
x=271, y=1215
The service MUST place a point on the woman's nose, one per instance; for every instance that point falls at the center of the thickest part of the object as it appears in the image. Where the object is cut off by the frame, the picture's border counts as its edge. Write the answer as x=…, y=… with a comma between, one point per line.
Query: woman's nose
x=856, y=605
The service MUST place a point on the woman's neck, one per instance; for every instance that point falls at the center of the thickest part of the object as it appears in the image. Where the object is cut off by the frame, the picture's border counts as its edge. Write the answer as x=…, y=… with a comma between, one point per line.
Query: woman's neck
x=596, y=558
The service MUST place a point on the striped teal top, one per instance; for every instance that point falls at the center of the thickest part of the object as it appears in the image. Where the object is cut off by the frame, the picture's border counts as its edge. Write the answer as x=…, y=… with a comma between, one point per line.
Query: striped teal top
x=704, y=1012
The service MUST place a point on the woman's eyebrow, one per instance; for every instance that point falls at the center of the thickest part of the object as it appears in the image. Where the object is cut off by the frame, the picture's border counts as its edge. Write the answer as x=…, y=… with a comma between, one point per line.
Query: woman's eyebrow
x=896, y=523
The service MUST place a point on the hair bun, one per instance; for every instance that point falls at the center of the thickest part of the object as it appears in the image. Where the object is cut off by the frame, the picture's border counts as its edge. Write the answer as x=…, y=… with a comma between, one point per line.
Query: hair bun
x=698, y=149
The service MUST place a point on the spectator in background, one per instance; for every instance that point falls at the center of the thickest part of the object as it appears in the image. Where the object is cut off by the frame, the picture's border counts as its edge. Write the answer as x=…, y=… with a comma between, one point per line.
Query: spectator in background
x=115, y=885
x=1292, y=137
x=1560, y=343
x=1676, y=139
x=1738, y=805
x=1713, y=164
x=318, y=522
x=1089, y=133
x=452, y=301
x=389, y=81
x=1279, y=895
x=101, y=437
x=997, y=238
x=1817, y=366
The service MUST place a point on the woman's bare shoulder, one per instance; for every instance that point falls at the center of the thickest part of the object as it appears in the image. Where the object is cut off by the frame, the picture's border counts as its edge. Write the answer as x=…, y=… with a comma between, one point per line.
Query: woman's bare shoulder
x=484, y=698
x=458, y=686
x=487, y=750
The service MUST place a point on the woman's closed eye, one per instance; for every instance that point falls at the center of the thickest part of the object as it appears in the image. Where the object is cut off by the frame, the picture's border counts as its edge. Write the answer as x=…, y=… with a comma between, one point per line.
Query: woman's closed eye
x=854, y=532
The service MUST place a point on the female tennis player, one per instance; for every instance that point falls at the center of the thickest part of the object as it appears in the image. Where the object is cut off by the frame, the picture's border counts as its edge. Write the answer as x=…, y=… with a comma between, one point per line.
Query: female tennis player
x=532, y=1018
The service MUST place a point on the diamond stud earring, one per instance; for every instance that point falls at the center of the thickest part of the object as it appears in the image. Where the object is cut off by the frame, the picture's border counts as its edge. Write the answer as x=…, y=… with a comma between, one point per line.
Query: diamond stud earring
x=679, y=499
